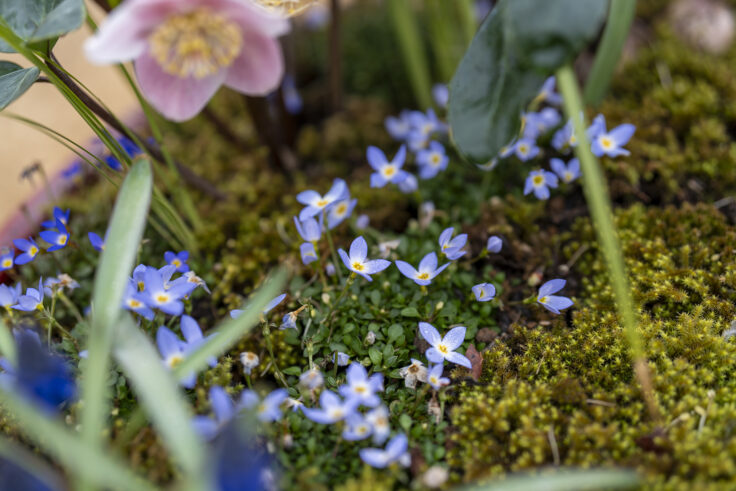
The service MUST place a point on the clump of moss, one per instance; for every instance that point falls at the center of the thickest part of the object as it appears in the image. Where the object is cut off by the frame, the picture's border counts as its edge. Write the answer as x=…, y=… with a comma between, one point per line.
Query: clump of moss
x=682, y=103
x=571, y=387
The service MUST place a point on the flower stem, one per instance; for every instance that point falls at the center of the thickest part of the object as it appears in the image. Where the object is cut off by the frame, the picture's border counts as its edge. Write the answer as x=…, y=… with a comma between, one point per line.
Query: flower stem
x=596, y=194
x=620, y=16
x=345, y=289
x=333, y=252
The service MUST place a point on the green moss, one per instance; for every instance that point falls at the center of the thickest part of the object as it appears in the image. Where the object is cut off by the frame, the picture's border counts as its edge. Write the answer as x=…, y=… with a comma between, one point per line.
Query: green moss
x=575, y=381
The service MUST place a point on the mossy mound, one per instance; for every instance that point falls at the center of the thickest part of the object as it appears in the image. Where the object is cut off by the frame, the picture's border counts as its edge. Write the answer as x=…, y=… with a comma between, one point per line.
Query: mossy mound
x=572, y=386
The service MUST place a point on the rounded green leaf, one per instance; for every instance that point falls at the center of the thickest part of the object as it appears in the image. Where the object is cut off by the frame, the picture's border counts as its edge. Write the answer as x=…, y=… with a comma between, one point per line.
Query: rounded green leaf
x=39, y=20
x=14, y=81
x=519, y=45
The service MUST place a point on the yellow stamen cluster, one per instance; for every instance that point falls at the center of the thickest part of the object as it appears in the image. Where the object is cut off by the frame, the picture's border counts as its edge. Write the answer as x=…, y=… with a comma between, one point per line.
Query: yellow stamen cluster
x=538, y=180
x=196, y=44
x=358, y=266
x=423, y=276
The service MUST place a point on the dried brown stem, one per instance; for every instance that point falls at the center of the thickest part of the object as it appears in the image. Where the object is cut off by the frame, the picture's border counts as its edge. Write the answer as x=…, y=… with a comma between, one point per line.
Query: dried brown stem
x=189, y=176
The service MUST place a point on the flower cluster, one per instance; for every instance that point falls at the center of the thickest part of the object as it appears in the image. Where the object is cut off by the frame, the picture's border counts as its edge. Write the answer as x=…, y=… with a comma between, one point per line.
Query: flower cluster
x=55, y=235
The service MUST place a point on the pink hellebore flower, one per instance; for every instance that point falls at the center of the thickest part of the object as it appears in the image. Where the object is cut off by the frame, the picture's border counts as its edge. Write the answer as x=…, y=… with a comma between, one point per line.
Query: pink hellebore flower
x=185, y=49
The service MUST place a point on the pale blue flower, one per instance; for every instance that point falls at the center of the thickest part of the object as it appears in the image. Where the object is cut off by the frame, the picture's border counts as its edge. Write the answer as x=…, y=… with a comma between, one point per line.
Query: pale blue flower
x=361, y=388
x=332, y=409
x=268, y=409
x=380, y=427
x=553, y=303
x=494, y=244
x=540, y=181
x=6, y=260
x=442, y=349
x=526, y=149
x=30, y=250
x=9, y=295
x=98, y=243
x=399, y=128
x=315, y=202
x=409, y=185
x=358, y=261
x=179, y=261
x=224, y=411
x=309, y=229
x=308, y=252
x=484, y=292
x=612, y=142
x=32, y=300
x=426, y=272
x=158, y=296
x=173, y=351
x=432, y=160
x=362, y=221
x=356, y=428
x=385, y=171
x=136, y=301
x=548, y=94
x=312, y=379
x=452, y=247
x=396, y=451
x=435, y=378
x=567, y=173
x=441, y=95
x=339, y=211
x=342, y=359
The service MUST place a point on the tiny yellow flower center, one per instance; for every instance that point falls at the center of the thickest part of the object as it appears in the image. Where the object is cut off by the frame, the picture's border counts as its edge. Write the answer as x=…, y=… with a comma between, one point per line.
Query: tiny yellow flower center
x=538, y=180
x=174, y=360
x=261, y=408
x=341, y=209
x=134, y=304
x=442, y=349
x=162, y=298
x=361, y=389
x=322, y=203
x=176, y=262
x=414, y=368
x=337, y=413
x=568, y=176
x=389, y=171
x=362, y=430
x=250, y=356
x=7, y=263
x=423, y=276
x=523, y=149
x=61, y=240
x=358, y=266
x=435, y=160
x=542, y=299
x=141, y=286
x=606, y=142
x=33, y=251
x=573, y=139
x=196, y=44
x=434, y=380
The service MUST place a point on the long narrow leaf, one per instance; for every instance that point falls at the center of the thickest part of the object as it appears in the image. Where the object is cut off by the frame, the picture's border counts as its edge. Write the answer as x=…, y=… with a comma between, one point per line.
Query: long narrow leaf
x=7, y=343
x=158, y=392
x=232, y=330
x=123, y=236
x=77, y=457
x=30, y=462
x=565, y=480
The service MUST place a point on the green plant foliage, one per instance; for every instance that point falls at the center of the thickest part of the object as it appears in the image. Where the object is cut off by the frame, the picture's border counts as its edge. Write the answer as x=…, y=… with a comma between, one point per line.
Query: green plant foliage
x=14, y=81
x=519, y=45
x=40, y=20
x=575, y=382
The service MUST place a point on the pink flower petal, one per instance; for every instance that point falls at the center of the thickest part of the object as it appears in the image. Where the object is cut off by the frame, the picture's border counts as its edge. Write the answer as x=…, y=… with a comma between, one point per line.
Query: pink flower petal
x=252, y=17
x=259, y=67
x=123, y=35
x=178, y=99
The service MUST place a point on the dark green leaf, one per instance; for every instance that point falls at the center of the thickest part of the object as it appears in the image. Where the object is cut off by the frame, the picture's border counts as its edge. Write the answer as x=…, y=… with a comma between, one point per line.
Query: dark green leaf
x=410, y=312
x=519, y=45
x=375, y=355
x=14, y=81
x=394, y=332
x=38, y=20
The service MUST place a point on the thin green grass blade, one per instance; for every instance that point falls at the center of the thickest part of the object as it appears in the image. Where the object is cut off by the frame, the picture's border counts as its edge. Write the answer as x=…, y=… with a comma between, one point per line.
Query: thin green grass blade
x=116, y=262
x=158, y=393
x=82, y=460
x=564, y=480
x=232, y=330
x=7, y=343
x=620, y=16
x=30, y=462
x=412, y=50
